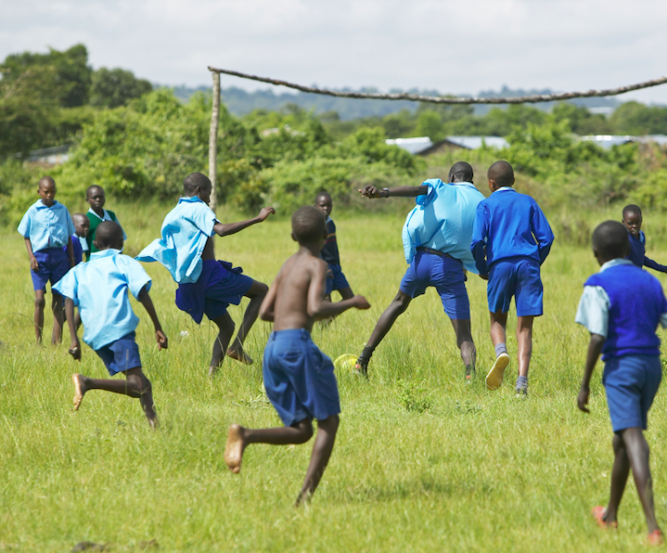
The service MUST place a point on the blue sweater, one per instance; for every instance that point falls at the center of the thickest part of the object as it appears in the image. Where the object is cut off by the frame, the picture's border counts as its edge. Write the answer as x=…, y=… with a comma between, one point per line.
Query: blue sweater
x=634, y=310
x=638, y=253
x=509, y=224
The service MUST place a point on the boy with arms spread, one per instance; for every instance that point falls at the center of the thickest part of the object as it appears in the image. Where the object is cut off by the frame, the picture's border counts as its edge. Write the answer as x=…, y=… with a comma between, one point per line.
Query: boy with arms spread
x=436, y=244
x=622, y=321
x=99, y=288
x=336, y=279
x=510, y=241
x=207, y=286
x=96, y=214
x=298, y=378
x=632, y=219
x=47, y=229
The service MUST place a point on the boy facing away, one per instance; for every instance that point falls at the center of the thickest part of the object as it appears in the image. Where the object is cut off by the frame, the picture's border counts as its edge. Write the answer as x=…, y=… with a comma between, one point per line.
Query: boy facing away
x=632, y=219
x=206, y=286
x=100, y=289
x=511, y=239
x=335, y=279
x=96, y=214
x=622, y=321
x=47, y=229
x=298, y=378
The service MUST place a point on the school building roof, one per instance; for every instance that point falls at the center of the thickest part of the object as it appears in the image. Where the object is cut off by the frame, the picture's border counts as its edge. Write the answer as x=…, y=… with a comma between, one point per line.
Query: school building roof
x=608, y=140
x=424, y=146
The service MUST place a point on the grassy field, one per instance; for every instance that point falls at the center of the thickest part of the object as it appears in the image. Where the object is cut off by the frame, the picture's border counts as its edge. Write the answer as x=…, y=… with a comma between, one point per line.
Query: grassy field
x=422, y=462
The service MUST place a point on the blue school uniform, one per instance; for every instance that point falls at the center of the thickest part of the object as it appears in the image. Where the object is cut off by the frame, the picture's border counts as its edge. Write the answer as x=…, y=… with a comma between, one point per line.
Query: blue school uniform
x=638, y=253
x=77, y=248
x=335, y=278
x=510, y=241
x=436, y=238
x=627, y=317
x=100, y=289
x=48, y=229
x=204, y=287
x=298, y=378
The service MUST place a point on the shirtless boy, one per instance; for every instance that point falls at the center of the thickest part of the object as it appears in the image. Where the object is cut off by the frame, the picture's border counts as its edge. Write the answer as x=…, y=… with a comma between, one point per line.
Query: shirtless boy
x=298, y=378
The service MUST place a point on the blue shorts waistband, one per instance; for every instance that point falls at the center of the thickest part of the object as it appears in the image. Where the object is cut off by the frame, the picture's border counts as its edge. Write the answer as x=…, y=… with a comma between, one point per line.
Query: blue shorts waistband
x=290, y=334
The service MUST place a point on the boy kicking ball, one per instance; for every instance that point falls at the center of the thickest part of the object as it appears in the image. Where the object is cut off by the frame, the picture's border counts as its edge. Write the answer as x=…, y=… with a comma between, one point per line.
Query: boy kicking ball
x=622, y=321
x=100, y=289
x=298, y=378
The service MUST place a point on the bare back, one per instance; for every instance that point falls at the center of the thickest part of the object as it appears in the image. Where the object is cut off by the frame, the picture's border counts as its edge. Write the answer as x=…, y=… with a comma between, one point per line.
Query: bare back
x=300, y=279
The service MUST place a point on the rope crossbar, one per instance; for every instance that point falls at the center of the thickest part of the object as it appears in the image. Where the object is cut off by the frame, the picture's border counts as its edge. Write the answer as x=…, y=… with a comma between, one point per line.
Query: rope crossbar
x=532, y=99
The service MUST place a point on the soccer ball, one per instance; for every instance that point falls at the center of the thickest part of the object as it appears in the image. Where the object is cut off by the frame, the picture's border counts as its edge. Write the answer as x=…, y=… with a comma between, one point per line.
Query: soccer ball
x=346, y=362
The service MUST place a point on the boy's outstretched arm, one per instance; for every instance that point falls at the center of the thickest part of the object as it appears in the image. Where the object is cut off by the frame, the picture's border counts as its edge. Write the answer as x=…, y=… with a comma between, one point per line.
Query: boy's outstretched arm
x=594, y=349
x=75, y=346
x=372, y=192
x=226, y=229
x=147, y=302
x=654, y=265
x=319, y=308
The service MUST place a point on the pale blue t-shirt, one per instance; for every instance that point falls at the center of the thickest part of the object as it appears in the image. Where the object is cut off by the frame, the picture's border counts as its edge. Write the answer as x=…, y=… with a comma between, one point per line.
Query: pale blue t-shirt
x=443, y=221
x=47, y=227
x=99, y=288
x=185, y=231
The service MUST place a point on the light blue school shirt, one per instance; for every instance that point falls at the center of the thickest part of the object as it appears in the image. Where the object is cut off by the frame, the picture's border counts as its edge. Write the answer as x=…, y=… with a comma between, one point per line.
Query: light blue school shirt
x=593, y=310
x=99, y=288
x=509, y=224
x=185, y=231
x=443, y=220
x=47, y=227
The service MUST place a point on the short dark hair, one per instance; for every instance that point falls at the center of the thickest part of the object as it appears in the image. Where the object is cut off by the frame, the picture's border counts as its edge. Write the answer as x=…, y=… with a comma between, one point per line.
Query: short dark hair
x=308, y=224
x=107, y=234
x=610, y=240
x=322, y=193
x=632, y=208
x=501, y=173
x=79, y=216
x=461, y=171
x=46, y=178
x=194, y=181
x=91, y=187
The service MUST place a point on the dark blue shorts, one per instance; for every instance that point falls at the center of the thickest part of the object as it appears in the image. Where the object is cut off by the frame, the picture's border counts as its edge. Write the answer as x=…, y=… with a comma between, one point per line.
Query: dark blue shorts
x=445, y=275
x=121, y=355
x=337, y=281
x=53, y=265
x=518, y=277
x=631, y=382
x=219, y=285
x=298, y=378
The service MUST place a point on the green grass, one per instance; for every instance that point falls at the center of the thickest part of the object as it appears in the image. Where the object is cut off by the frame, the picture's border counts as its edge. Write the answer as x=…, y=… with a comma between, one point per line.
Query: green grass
x=422, y=461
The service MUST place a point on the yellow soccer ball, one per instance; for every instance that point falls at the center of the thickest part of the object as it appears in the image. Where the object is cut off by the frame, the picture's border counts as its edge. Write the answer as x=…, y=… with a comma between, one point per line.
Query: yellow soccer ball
x=346, y=362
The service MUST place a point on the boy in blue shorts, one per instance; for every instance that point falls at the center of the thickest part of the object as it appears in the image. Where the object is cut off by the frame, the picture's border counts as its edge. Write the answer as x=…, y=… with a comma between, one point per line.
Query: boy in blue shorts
x=510, y=241
x=622, y=321
x=335, y=279
x=100, y=289
x=206, y=286
x=632, y=219
x=47, y=228
x=298, y=378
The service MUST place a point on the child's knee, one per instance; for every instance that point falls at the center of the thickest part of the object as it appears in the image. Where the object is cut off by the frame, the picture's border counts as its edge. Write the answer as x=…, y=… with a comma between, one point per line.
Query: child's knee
x=40, y=302
x=330, y=423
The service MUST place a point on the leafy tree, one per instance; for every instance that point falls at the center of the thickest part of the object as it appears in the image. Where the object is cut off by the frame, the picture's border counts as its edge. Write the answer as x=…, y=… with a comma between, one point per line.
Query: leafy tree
x=581, y=121
x=639, y=119
x=112, y=88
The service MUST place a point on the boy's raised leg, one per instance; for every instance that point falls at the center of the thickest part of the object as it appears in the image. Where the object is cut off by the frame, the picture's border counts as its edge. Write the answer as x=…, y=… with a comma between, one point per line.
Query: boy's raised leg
x=319, y=458
x=256, y=294
x=238, y=438
x=58, y=318
x=225, y=332
x=40, y=303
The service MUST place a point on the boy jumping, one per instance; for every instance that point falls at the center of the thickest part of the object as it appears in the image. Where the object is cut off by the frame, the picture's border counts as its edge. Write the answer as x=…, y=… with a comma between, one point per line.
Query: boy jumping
x=298, y=378
x=632, y=219
x=206, y=286
x=99, y=288
x=622, y=321
x=510, y=241
x=47, y=229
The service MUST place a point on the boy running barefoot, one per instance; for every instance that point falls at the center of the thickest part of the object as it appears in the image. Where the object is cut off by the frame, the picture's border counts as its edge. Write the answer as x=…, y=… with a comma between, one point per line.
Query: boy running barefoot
x=622, y=320
x=298, y=378
x=206, y=286
x=632, y=219
x=99, y=288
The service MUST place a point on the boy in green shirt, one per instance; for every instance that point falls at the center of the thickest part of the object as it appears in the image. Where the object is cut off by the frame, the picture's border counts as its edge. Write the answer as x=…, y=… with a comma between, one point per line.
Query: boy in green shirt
x=96, y=214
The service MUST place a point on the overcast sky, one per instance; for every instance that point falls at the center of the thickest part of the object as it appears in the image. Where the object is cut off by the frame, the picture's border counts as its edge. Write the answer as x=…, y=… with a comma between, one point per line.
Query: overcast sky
x=452, y=46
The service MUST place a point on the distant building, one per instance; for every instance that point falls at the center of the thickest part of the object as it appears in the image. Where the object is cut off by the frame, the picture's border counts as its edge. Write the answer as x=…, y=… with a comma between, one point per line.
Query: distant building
x=49, y=157
x=424, y=146
x=606, y=141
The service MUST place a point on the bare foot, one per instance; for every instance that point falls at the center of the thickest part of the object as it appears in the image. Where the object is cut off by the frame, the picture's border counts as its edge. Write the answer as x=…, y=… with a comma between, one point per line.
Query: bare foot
x=240, y=355
x=212, y=371
x=153, y=421
x=79, y=389
x=234, y=448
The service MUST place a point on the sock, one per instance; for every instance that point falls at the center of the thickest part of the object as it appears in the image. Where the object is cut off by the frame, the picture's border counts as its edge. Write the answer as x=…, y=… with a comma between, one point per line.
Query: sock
x=501, y=348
